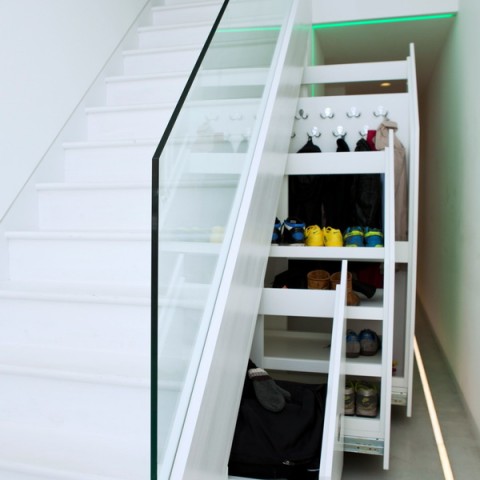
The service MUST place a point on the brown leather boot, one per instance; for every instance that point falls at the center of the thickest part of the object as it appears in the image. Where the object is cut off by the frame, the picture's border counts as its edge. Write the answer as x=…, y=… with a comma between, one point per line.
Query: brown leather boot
x=318, y=280
x=353, y=299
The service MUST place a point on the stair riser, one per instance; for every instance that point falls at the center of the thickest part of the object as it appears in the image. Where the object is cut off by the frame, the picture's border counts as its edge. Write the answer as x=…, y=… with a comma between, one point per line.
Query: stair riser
x=120, y=328
x=181, y=60
x=109, y=164
x=174, y=37
x=199, y=13
x=119, y=262
x=95, y=209
x=129, y=209
x=132, y=164
x=137, y=92
x=75, y=405
x=128, y=124
x=51, y=455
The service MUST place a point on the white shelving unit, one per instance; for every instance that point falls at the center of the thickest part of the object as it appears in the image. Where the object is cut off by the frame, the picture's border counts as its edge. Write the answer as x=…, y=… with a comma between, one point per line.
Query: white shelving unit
x=284, y=341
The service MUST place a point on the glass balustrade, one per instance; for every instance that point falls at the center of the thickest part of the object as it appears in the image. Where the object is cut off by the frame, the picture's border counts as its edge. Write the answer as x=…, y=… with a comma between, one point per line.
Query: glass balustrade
x=199, y=172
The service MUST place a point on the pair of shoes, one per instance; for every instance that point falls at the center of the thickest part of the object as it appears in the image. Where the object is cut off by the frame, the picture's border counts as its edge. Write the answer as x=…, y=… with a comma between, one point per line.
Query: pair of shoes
x=366, y=399
x=365, y=343
x=291, y=232
x=319, y=237
x=322, y=280
x=361, y=399
x=363, y=237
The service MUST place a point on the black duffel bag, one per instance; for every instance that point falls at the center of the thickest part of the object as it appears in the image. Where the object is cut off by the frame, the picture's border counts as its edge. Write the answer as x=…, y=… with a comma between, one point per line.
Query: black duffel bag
x=279, y=445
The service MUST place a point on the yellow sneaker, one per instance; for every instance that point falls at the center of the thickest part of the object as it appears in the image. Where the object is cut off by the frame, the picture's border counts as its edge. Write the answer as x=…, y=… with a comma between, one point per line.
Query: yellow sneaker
x=333, y=237
x=314, y=236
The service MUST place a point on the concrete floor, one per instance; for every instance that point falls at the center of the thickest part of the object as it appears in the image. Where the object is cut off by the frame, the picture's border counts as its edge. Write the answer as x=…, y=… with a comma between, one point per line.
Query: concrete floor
x=414, y=453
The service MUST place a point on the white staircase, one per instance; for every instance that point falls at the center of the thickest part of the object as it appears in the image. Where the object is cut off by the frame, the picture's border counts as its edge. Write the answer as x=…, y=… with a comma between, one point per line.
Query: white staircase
x=75, y=308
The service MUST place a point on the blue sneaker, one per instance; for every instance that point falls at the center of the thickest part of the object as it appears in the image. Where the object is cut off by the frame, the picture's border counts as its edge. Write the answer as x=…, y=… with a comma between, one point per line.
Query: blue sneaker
x=277, y=232
x=353, y=344
x=373, y=237
x=353, y=237
x=369, y=342
x=293, y=231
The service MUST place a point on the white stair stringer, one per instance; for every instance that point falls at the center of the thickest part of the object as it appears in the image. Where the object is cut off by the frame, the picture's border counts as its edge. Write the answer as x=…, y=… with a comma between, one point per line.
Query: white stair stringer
x=75, y=310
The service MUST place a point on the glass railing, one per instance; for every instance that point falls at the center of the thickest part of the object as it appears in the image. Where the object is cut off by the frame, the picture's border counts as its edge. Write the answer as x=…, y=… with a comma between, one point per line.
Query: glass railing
x=199, y=171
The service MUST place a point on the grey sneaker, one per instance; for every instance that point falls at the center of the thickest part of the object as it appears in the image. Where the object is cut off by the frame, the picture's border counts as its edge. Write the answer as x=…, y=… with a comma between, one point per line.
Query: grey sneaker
x=353, y=344
x=350, y=398
x=366, y=399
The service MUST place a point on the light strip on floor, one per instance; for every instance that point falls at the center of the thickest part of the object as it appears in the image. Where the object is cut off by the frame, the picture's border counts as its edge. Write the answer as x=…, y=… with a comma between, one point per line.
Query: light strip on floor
x=437, y=432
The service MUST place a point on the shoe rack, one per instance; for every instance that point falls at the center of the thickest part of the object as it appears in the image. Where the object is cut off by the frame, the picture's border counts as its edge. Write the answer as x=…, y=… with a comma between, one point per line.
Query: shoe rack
x=295, y=327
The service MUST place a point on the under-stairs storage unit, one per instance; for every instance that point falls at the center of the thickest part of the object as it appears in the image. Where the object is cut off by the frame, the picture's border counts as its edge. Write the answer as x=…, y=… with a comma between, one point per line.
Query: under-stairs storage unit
x=293, y=332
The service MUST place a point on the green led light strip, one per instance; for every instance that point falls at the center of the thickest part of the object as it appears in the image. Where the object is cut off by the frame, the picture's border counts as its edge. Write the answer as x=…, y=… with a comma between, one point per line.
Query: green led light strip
x=319, y=26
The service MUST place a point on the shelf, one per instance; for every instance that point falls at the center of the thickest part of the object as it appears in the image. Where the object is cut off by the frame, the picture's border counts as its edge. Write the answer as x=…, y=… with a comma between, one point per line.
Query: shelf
x=363, y=427
x=297, y=302
x=335, y=163
x=369, y=308
x=310, y=352
x=362, y=254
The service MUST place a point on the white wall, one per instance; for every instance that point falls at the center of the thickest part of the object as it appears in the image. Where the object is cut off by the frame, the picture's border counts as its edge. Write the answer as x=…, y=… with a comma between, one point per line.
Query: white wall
x=449, y=259
x=51, y=51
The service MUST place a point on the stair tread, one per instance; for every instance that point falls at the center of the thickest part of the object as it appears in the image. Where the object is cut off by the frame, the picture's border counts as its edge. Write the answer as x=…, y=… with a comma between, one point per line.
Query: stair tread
x=173, y=26
x=155, y=50
x=93, y=185
x=110, y=143
x=164, y=105
x=131, y=108
x=208, y=72
x=88, y=292
x=184, y=5
x=146, y=76
x=78, y=235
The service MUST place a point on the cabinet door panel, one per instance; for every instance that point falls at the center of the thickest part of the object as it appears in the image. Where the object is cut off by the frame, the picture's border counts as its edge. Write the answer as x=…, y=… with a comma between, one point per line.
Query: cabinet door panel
x=331, y=464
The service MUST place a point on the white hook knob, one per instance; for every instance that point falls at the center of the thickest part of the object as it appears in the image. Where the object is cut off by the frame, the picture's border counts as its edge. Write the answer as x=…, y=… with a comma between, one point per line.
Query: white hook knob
x=339, y=132
x=353, y=113
x=301, y=115
x=381, y=111
x=327, y=113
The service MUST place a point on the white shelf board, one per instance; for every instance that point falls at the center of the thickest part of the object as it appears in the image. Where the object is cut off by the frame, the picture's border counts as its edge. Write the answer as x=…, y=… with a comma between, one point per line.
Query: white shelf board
x=327, y=163
x=297, y=302
x=369, y=308
x=313, y=303
x=310, y=352
x=363, y=427
x=364, y=254
x=401, y=252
